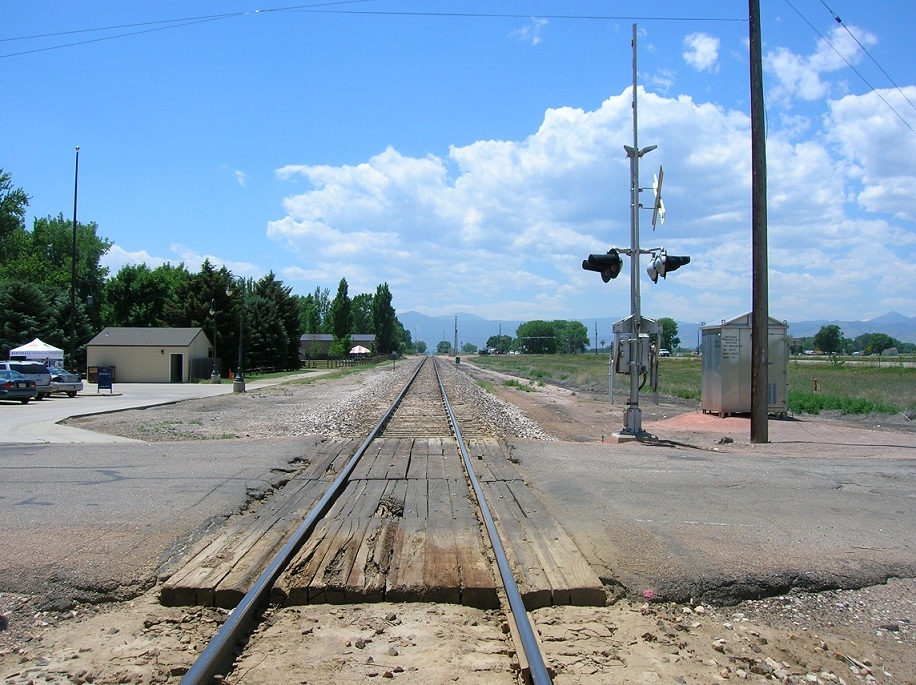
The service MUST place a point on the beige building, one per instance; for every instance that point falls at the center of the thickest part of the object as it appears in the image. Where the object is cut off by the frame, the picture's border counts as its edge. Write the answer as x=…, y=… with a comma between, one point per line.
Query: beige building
x=151, y=355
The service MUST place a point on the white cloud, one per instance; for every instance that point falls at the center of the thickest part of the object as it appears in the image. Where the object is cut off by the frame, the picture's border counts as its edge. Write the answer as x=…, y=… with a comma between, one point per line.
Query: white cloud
x=879, y=148
x=801, y=76
x=240, y=176
x=530, y=33
x=500, y=227
x=701, y=52
x=117, y=257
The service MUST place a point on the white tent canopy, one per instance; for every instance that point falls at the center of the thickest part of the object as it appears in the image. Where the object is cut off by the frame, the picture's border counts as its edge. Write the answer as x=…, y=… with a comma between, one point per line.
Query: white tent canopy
x=40, y=352
x=359, y=349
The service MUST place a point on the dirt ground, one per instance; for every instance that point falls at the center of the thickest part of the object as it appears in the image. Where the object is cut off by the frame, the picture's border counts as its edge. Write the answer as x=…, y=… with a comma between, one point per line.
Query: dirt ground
x=865, y=635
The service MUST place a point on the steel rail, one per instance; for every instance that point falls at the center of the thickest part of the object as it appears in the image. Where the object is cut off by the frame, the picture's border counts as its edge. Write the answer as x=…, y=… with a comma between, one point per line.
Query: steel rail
x=224, y=643
x=530, y=647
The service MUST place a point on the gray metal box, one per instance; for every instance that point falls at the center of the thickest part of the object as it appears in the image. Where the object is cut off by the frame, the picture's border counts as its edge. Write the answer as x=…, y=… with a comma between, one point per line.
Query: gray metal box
x=727, y=360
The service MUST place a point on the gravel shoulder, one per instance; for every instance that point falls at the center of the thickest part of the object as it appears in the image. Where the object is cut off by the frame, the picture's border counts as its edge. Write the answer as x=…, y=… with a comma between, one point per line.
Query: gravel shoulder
x=842, y=636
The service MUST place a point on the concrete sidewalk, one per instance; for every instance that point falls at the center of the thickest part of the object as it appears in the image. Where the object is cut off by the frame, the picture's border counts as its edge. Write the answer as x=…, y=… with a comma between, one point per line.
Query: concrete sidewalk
x=39, y=422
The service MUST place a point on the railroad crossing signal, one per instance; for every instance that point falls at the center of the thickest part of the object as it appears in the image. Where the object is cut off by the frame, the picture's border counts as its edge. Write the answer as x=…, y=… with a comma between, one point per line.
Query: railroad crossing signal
x=661, y=263
x=608, y=265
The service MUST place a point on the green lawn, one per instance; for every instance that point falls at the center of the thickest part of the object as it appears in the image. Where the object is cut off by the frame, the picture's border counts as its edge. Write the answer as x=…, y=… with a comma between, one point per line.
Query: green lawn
x=851, y=389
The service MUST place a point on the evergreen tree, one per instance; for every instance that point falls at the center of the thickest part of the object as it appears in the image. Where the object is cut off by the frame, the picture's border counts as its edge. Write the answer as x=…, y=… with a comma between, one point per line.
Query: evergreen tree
x=340, y=312
x=361, y=314
x=384, y=320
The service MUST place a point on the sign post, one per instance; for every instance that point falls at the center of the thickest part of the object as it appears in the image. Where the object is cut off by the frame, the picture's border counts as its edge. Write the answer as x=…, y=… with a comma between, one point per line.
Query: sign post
x=104, y=379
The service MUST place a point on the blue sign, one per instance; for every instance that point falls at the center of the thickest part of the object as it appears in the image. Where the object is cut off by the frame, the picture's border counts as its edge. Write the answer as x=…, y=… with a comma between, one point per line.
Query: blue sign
x=104, y=378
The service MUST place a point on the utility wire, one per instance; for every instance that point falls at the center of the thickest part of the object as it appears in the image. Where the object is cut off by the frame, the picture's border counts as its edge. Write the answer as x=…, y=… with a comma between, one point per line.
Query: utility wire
x=160, y=25
x=313, y=8
x=858, y=73
x=865, y=50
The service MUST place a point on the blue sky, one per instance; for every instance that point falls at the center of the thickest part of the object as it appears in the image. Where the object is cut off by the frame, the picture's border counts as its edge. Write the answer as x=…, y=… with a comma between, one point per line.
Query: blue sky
x=472, y=162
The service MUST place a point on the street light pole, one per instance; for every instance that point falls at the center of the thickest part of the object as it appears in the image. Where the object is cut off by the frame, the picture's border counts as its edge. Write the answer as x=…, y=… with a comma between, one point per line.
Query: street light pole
x=238, y=383
x=214, y=375
x=76, y=176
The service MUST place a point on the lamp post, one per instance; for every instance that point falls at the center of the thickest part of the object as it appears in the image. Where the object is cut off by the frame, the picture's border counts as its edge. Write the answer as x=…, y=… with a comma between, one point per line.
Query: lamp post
x=214, y=375
x=238, y=383
x=76, y=176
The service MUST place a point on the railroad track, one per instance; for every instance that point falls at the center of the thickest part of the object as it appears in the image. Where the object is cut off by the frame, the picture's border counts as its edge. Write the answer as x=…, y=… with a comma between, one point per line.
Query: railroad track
x=406, y=518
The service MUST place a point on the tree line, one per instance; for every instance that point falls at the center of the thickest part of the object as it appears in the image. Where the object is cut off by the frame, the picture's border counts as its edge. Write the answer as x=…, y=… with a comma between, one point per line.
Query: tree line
x=830, y=340
x=553, y=337
x=36, y=272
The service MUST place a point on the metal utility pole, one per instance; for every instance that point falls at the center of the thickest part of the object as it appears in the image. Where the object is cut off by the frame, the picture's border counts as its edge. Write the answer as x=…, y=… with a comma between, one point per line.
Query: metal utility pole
x=760, y=295
x=633, y=415
x=76, y=176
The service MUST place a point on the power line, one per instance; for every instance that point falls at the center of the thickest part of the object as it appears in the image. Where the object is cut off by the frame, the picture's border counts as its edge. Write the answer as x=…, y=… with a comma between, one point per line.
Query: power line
x=159, y=25
x=865, y=50
x=312, y=8
x=858, y=73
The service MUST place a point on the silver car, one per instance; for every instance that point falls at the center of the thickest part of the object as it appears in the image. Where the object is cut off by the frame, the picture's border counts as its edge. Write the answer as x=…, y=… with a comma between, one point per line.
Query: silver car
x=66, y=382
x=33, y=370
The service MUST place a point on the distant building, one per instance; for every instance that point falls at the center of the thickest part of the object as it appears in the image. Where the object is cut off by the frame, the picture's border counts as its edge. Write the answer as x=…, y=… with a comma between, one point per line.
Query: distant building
x=317, y=345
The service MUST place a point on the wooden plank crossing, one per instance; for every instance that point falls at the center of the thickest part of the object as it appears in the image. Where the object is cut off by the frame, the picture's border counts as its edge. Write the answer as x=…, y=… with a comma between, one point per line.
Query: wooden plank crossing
x=405, y=529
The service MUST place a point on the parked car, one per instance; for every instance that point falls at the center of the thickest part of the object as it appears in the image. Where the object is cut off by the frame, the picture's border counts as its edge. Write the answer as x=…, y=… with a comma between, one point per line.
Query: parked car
x=64, y=381
x=33, y=371
x=15, y=386
x=664, y=353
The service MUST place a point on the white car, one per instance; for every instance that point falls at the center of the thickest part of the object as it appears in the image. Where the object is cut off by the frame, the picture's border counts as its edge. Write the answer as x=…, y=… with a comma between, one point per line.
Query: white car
x=664, y=353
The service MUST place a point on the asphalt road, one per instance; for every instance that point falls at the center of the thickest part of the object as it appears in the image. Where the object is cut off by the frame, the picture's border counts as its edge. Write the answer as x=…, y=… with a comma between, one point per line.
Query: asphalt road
x=87, y=516
x=37, y=421
x=699, y=524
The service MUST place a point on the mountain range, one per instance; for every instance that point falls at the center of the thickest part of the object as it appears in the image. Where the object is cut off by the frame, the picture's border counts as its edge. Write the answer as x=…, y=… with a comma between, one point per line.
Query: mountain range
x=476, y=330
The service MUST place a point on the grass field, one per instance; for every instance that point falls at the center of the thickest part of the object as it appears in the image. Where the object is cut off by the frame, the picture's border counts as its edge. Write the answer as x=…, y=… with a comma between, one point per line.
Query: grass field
x=890, y=388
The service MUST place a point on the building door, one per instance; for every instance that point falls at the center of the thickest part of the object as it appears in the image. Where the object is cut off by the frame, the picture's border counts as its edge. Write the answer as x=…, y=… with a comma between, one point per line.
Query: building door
x=176, y=366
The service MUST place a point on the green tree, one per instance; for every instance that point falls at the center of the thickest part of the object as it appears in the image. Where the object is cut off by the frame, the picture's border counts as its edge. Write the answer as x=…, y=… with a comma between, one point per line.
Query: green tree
x=323, y=304
x=309, y=317
x=829, y=339
x=670, y=341
x=469, y=348
x=878, y=342
x=572, y=336
x=501, y=343
x=275, y=333
x=537, y=337
x=340, y=312
x=52, y=246
x=209, y=290
x=385, y=323
x=420, y=346
x=26, y=315
x=444, y=347
x=13, y=236
x=361, y=314
x=138, y=296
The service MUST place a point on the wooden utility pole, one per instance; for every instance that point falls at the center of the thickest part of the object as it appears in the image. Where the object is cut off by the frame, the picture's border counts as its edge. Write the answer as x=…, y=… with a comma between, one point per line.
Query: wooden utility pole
x=760, y=297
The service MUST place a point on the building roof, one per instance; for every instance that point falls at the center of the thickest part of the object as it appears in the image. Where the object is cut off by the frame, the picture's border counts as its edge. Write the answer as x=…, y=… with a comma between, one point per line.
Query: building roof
x=355, y=337
x=145, y=337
